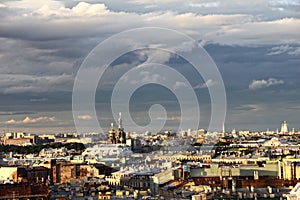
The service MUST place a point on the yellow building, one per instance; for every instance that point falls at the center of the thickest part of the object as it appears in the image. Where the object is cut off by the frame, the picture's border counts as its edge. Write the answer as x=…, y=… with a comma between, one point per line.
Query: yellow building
x=291, y=169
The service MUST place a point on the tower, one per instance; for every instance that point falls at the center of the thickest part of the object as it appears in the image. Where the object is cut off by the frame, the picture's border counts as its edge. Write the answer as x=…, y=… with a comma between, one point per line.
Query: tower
x=120, y=121
x=223, y=130
x=284, y=128
x=112, y=135
x=121, y=135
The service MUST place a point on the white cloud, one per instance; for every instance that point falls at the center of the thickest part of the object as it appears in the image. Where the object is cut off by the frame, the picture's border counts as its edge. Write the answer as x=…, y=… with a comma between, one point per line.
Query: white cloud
x=257, y=84
x=160, y=57
x=259, y=32
x=84, y=117
x=279, y=49
x=148, y=77
x=86, y=19
x=291, y=50
x=295, y=51
x=179, y=85
x=29, y=120
x=205, y=5
x=169, y=118
x=209, y=83
x=81, y=9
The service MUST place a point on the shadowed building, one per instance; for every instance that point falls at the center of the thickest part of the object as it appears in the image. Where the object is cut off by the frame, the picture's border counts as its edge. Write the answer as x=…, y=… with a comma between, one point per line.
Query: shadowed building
x=63, y=171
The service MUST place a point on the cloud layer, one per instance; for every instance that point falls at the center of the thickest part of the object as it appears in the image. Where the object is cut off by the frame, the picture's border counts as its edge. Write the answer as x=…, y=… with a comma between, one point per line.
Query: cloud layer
x=44, y=42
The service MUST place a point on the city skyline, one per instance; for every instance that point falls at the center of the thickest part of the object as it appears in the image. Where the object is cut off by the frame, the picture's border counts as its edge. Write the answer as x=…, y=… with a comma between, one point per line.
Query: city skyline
x=256, y=49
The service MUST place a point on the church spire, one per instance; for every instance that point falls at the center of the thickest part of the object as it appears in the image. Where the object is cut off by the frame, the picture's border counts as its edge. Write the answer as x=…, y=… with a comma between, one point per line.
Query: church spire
x=117, y=136
x=223, y=128
x=120, y=121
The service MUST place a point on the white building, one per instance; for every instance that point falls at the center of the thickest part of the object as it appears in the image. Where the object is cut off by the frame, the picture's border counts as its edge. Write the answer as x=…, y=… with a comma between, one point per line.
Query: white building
x=284, y=128
x=107, y=150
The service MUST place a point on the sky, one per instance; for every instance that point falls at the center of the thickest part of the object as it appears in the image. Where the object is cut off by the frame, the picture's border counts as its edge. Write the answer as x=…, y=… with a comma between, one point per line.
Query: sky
x=254, y=44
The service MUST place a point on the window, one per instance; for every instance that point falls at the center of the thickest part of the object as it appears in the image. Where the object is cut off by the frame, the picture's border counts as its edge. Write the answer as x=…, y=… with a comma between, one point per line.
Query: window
x=77, y=171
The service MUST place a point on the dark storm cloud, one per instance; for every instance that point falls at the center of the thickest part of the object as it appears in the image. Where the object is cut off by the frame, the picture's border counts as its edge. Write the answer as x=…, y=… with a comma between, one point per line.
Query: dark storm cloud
x=44, y=43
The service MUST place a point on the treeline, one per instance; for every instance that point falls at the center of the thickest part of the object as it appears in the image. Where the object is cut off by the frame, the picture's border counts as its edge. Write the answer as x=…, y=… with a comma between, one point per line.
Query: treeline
x=38, y=148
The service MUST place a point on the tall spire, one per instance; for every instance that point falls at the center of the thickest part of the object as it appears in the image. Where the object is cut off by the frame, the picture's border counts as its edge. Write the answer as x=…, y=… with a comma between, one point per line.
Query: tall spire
x=223, y=127
x=120, y=121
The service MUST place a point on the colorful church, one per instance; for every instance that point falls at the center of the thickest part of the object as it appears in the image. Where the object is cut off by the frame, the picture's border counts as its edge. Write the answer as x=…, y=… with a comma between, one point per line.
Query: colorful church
x=119, y=136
